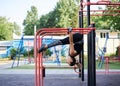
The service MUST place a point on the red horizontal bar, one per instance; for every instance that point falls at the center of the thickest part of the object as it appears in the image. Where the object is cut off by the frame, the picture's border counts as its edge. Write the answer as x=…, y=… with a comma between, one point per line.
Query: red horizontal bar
x=102, y=3
x=56, y=31
x=101, y=10
x=103, y=15
x=112, y=5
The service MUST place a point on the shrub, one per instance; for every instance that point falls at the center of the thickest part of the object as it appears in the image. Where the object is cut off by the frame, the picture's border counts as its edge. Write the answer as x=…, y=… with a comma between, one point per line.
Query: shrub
x=13, y=53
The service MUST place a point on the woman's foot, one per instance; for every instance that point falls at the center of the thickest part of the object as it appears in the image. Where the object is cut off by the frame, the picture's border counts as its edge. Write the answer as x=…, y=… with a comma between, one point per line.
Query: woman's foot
x=42, y=48
x=69, y=30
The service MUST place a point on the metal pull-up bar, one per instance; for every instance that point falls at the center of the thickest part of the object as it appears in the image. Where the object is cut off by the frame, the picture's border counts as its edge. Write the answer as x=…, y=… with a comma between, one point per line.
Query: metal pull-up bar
x=38, y=41
x=101, y=2
x=103, y=12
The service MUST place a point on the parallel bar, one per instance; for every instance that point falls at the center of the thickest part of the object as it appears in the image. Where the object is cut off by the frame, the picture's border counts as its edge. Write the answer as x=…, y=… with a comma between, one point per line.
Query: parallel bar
x=47, y=31
x=38, y=65
x=35, y=59
x=89, y=46
x=63, y=31
x=102, y=3
x=104, y=14
x=101, y=10
x=81, y=59
x=91, y=59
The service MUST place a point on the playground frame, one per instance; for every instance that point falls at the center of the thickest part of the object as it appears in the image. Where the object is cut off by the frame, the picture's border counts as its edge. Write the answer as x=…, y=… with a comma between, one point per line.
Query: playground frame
x=92, y=81
x=54, y=31
x=91, y=43
x=108, y=3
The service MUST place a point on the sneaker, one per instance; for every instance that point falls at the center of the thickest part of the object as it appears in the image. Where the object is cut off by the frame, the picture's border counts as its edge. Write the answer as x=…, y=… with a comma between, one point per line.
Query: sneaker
x=42, y=48
x=69, y=29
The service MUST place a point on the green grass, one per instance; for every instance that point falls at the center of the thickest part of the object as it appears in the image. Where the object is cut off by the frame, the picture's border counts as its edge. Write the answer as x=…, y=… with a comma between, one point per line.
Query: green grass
x=112, y=65
x=26, y=66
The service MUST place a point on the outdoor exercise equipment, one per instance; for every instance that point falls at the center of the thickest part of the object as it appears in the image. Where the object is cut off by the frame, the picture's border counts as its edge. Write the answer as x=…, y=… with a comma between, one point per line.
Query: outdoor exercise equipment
x=62, y=31
x=104, y=13
x=92, y=79
x=102, y=52
x=108, y=3
x=19, y=49
x=91, y=43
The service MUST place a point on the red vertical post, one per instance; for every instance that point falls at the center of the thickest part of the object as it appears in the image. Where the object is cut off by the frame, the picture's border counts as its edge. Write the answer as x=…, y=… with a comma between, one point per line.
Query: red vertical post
x=38, y=63
x=41, y=65
x=35, y=58
x=107, y=64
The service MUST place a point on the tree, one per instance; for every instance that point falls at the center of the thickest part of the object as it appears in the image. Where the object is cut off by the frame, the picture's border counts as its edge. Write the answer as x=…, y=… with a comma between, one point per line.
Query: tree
x=64, y=15
x=112, y=22
x=13, y=53
x=30, y=21
x=7, y=29
x=68, y=13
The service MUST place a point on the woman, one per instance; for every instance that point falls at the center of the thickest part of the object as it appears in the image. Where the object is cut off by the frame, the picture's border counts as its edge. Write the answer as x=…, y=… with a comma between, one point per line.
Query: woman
x=75, y=46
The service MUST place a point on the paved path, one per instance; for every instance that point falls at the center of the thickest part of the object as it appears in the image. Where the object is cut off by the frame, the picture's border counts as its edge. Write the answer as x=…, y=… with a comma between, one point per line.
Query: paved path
x=57, y=80
x=54, y=77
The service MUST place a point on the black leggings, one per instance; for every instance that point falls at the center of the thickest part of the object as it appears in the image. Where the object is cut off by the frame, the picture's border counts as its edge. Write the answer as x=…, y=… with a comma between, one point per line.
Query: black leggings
x=76, y=38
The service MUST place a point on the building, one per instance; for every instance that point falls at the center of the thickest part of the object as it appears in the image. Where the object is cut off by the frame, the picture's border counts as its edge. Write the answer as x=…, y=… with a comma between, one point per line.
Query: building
x=110, y=43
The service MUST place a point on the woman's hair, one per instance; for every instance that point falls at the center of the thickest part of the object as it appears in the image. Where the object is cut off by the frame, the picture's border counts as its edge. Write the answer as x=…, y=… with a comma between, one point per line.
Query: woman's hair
x=73, y=63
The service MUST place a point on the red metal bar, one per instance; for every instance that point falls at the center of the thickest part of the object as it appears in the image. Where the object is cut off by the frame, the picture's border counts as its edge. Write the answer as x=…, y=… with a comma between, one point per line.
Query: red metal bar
x=63, y=30
x=107, y=64
x=38, y=64
x=113, y=6
x=41, y=65
x=102, y=3
x=35, y=59
x=49, y=31
x=103, y=15
x=102, y=11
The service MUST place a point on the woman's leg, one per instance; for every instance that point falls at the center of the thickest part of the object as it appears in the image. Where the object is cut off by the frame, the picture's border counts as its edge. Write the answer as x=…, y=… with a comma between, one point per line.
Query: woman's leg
x=72, y=52
x=76, y=38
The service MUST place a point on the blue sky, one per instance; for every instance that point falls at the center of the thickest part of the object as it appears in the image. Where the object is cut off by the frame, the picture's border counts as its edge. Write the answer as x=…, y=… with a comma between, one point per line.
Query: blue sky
x=16, y=10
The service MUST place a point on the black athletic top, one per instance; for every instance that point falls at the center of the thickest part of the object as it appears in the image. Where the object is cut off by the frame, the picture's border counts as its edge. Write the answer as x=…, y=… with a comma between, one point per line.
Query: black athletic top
x=78, y=47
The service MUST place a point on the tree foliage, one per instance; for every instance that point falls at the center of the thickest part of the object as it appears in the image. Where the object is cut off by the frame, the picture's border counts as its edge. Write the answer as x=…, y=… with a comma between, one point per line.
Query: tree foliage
x=114, y=23
x=109, y=22
x=64, y=15
x=7, y=29
x=30, y=21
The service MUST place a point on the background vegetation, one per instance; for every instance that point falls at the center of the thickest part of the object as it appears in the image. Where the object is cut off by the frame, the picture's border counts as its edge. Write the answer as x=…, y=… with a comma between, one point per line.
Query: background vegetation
x=65, y=14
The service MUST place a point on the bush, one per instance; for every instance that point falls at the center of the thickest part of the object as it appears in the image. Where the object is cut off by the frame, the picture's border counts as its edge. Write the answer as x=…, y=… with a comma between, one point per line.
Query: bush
x=117, y=51
x=31, y=52
x=13, y=53
x=25, y=53
x=48, y=52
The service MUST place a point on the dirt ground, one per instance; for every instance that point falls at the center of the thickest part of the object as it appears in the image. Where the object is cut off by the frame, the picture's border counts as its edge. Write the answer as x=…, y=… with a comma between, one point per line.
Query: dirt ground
x=58, y=80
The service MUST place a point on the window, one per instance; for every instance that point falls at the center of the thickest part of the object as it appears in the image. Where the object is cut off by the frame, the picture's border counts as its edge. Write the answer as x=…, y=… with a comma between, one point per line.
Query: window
x=104, y=35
